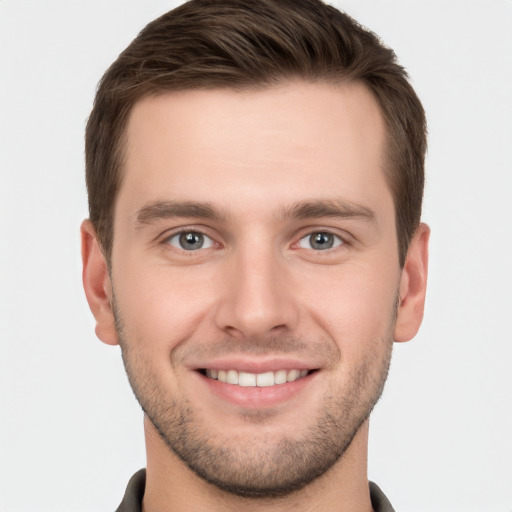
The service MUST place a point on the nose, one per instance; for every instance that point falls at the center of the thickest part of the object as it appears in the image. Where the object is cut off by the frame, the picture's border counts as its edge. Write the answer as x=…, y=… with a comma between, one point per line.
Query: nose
x=257, y=297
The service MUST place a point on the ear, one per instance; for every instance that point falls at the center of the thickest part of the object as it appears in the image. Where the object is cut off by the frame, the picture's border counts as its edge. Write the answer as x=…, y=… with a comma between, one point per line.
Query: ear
x=413, y=285
x=97, y=285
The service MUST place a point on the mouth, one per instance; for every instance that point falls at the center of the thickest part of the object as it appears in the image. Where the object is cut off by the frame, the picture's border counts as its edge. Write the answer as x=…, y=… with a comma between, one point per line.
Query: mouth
x=246, y=379
x=258, y=384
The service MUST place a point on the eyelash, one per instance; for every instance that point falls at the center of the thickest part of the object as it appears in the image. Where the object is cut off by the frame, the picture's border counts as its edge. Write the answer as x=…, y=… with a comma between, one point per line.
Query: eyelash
x=166, y=241
x=339, y=240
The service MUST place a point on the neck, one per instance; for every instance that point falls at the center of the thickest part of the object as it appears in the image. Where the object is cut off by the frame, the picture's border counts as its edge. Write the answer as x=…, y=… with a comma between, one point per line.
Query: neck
x=171, y=485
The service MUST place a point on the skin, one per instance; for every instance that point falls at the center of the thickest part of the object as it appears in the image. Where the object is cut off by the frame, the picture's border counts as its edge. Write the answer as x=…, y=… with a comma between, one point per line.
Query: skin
x=253, y=172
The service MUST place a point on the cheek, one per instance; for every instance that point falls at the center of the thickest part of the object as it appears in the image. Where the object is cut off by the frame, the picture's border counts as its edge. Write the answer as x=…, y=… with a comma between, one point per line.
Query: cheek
x=160, y=306
x=353, y=304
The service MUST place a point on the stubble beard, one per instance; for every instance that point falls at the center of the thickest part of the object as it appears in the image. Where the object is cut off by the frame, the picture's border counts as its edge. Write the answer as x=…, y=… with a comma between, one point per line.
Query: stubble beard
x=261, y=468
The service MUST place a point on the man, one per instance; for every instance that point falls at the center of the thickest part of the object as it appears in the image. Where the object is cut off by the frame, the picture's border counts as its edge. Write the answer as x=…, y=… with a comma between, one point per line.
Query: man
x=255, y=178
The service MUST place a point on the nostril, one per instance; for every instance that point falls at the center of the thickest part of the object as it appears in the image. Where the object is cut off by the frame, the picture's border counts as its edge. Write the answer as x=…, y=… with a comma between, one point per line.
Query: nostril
x=279, y=327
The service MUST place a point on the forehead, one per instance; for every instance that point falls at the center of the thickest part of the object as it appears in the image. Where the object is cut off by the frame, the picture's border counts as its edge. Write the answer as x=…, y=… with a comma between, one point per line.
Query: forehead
x=255, y=147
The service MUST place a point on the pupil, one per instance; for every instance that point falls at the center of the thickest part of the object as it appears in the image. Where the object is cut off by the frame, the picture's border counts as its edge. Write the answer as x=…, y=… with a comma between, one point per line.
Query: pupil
x=321, y=241
x=191, y=241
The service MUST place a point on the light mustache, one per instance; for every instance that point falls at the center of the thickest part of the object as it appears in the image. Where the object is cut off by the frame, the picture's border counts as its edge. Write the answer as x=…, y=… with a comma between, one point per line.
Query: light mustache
x=323, y=349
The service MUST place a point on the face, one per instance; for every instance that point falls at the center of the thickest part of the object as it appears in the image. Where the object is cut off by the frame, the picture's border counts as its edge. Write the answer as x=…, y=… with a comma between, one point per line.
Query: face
x=255, y=277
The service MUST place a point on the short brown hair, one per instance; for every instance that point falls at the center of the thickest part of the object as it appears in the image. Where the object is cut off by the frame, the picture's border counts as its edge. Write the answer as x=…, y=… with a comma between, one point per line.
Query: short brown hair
x=248, y=44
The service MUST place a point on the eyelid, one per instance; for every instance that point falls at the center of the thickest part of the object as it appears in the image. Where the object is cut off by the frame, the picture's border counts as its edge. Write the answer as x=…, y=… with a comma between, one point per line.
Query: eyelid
x=343, y=236
x=208, y=242
x=338, y=241
x=167, y=235
x=304, y=232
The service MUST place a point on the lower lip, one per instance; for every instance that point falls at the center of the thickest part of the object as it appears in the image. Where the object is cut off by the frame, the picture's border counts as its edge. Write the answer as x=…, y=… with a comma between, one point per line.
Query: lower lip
x=255, y=397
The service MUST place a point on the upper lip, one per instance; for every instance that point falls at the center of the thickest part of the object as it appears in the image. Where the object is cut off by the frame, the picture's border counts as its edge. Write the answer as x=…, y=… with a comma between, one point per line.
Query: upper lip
x=255, y=365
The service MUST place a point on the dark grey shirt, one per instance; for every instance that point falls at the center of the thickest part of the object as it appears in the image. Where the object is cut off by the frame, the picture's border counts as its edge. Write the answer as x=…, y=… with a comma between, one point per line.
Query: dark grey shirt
x=132, y=501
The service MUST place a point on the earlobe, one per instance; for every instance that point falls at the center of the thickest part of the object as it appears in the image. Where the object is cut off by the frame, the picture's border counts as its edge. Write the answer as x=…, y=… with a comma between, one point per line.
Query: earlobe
x=97, y=285
x=413, y=285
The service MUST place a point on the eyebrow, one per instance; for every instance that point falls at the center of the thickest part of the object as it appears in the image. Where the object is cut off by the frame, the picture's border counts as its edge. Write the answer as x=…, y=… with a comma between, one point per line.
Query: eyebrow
x=176, y=209
x=317, y=208
x=338, y=208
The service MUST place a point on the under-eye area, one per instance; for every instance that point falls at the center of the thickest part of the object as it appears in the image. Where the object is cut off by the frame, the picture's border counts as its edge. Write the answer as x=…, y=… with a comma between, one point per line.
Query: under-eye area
x=246, y=379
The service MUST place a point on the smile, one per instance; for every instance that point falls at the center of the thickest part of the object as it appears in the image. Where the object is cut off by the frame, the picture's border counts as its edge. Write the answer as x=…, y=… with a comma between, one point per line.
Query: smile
x=246, y=379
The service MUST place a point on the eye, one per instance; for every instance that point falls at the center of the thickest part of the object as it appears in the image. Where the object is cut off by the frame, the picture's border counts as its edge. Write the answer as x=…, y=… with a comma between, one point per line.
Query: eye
x=190, y=241
x=320, y=241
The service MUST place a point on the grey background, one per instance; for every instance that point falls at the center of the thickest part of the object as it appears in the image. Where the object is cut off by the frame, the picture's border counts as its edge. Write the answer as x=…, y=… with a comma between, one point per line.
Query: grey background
x=70, y=430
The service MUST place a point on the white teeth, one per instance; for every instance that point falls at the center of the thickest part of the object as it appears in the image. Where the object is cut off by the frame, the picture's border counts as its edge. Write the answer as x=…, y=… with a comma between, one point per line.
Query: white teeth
x=293, y=375
x=232, y=377
x=246, y=379
x=265, y=379
x=280, y=376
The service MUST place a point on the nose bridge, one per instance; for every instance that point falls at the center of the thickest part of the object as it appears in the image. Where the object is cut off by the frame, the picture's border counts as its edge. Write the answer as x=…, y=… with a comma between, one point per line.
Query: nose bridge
x=256, y=297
